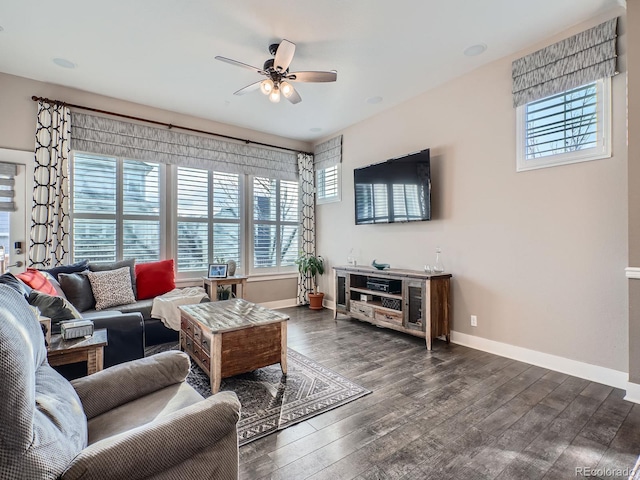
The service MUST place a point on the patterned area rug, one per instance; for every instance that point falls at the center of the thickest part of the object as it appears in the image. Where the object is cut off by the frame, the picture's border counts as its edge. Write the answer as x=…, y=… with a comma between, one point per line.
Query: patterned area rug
x=271, y=401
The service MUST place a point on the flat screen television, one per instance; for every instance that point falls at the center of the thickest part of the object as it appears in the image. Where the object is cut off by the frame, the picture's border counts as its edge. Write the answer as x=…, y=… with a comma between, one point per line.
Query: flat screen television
x=398, y=190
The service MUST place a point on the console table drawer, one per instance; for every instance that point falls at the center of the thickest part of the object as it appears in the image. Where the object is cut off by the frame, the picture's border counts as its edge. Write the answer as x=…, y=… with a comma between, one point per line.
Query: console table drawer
x=389, y=317
x=362, y=309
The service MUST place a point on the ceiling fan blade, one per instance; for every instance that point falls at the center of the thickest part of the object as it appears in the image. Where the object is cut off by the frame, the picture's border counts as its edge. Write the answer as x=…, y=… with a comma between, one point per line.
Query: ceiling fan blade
x=248, y=88
x=284, y=55
x=294, y=97
x=239, y=64
x=331, y=76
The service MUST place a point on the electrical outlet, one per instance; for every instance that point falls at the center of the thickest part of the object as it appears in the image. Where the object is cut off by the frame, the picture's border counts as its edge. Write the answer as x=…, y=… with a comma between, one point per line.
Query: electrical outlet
x=474, y=321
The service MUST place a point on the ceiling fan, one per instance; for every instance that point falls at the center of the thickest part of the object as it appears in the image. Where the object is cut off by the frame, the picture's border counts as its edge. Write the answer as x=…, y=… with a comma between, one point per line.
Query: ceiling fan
x=278, y=76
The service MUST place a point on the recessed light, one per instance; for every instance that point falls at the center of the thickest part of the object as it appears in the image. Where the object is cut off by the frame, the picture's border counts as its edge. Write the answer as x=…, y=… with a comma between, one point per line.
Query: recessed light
x=315, y=129
x=1, y=29
x=475, y=50
x=64, y=63
x=374, y=100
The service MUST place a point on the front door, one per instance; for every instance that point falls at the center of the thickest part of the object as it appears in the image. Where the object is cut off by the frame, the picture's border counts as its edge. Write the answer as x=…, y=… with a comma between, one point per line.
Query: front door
x=14, y=235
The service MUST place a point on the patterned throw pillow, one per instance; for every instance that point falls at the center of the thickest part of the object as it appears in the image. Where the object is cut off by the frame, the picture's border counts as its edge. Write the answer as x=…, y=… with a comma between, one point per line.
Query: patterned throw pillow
x=112, y=287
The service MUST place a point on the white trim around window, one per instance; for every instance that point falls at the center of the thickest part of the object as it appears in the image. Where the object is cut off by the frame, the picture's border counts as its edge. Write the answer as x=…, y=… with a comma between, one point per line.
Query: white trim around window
x=600, y=150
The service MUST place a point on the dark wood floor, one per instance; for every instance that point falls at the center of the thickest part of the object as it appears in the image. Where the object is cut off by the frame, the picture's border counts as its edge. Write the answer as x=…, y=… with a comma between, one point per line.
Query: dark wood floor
x=452, y=413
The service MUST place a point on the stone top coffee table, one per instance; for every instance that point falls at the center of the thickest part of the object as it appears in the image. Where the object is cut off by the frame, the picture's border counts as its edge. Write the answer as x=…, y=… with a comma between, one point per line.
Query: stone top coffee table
x=233, y=336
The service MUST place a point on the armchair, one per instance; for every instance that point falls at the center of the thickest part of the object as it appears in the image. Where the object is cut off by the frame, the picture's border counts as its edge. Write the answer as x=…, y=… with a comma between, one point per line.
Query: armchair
x=135, y=420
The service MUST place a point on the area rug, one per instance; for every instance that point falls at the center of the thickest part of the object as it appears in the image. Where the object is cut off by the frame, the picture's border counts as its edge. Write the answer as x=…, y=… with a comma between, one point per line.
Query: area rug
x=272, y=401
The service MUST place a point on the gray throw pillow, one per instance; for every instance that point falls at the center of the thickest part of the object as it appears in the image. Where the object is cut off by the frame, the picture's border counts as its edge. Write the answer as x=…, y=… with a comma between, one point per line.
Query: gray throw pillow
x=103, y=267
x=56, y=308
x=77, y=289
x=19, y=286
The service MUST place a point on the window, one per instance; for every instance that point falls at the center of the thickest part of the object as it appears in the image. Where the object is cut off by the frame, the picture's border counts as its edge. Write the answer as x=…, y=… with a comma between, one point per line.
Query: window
x=328, y=184
x=275, y=225
x=572, y=126
x=116, y=209
x=209, y=218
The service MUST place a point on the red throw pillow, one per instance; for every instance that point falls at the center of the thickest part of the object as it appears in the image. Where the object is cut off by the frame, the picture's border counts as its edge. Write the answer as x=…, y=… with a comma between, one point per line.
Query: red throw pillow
x=36, y=280
x=154, y=278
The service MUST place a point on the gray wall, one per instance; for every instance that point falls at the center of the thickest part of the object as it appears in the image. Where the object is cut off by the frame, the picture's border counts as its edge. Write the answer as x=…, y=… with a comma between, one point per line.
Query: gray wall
x=538, y=256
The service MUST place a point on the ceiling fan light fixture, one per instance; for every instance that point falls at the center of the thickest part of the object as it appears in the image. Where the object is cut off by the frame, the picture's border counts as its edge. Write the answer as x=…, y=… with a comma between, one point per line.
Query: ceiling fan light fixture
x=274, y=96
x=266, y=86
x=286, y=89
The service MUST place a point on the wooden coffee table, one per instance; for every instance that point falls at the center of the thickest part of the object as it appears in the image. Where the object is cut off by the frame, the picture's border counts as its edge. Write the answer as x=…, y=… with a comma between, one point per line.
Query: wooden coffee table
x=85, y=349
x=233, y=336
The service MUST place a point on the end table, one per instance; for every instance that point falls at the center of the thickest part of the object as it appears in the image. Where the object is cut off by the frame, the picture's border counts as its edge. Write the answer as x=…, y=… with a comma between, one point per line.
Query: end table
x=85, y=349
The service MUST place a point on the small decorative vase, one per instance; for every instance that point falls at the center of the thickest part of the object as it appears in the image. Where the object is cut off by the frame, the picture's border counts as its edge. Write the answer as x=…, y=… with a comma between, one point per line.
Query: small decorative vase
x=231, y=268
x=438, y=267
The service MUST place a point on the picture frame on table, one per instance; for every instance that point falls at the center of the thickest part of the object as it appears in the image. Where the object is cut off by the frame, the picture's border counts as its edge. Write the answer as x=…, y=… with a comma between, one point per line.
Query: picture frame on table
x=218, y=270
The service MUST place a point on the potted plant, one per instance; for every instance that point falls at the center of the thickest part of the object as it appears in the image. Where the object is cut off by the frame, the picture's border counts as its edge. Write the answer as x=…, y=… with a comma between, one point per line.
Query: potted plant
x=312, y=265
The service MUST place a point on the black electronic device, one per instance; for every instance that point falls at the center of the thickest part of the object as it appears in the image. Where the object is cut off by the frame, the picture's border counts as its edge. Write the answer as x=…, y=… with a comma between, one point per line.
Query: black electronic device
x=398, y=190
x=385, y=285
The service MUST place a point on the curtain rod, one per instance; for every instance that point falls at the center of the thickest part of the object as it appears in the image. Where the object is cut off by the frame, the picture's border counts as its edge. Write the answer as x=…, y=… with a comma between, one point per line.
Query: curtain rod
x=163, y=124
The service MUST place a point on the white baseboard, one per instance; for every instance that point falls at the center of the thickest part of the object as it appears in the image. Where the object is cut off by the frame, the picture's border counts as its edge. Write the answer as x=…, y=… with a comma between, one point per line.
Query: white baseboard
x=288, y=302
x=633, y=392
x=594, y=373
x=632, y=272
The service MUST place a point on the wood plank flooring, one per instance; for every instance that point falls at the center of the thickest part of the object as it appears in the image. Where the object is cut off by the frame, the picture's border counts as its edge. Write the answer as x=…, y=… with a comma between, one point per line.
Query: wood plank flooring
x=452, y=413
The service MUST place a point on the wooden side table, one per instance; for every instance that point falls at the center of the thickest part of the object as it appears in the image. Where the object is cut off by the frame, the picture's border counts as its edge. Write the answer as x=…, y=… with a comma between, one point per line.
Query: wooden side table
x=85, y=349
x=211, y=285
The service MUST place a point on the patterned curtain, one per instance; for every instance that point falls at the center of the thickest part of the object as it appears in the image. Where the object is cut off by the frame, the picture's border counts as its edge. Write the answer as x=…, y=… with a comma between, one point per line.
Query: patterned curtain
x=307, y=221
x=50, y=223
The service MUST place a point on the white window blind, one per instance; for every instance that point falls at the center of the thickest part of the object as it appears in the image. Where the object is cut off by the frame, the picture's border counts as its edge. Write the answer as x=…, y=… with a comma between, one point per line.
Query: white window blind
x=193, y=219
x=327, y=164
x=7, y=182
x=141, y=211
x=94, y=208
x=327, y=184
x=115, y=209
x=202, y=215
x=227, y=212
x=275, y=224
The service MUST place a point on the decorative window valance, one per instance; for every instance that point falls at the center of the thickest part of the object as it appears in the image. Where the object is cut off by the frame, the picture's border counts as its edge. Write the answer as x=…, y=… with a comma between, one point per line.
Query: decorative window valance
x=328, y=154
x=575, y=61
x=106, y=136
x=7, y=173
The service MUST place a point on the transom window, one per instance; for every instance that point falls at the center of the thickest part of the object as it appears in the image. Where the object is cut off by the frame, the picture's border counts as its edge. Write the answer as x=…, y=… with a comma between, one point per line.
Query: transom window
x=328, y=184
x=571, y=126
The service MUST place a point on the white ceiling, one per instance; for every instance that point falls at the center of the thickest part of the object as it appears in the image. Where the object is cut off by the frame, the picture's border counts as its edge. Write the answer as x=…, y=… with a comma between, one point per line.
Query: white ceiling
x=161, y=52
